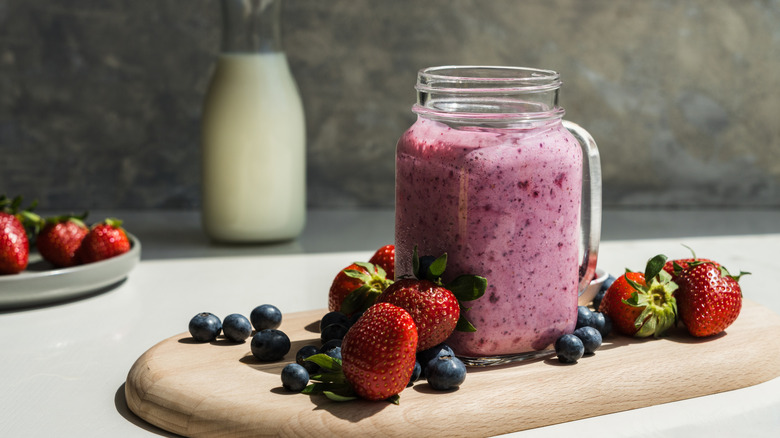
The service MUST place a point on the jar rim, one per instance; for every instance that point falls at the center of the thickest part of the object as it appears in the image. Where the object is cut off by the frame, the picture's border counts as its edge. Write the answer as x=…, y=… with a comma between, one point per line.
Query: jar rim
x=486, y=79
x=488, y=94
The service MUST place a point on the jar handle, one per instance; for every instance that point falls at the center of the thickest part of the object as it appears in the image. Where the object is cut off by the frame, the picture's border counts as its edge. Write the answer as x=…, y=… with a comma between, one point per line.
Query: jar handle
x=590, y=213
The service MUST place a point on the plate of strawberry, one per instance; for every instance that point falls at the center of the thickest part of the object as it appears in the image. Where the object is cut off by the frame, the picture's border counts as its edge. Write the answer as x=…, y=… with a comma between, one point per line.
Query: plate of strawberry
x=47, y=260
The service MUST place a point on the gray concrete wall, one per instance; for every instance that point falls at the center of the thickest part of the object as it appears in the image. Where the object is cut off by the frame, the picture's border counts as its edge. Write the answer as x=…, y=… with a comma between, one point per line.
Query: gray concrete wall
x=100, y=100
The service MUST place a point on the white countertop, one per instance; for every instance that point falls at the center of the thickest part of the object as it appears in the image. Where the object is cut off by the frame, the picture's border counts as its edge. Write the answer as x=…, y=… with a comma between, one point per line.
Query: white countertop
x=63, y=366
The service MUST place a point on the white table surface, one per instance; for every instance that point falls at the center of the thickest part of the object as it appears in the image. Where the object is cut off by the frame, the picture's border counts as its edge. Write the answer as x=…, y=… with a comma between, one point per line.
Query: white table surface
x=63, y=366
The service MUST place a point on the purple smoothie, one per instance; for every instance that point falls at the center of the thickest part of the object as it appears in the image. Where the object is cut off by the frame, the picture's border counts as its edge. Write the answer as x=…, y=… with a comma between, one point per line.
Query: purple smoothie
x=503, y=204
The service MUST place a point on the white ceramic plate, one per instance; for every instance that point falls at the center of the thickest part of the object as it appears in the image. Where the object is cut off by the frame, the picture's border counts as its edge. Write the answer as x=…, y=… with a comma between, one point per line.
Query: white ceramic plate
x=587, y=295
x=41, y=283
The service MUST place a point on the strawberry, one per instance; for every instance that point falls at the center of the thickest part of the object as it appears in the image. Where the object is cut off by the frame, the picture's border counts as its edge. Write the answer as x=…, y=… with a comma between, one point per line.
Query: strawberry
x=385, y=257
x=356, y=287
x=105, y=240
x=378, y=352
x=709, y=298
x=638, y=308
x=59, y=239
x=431, y=302
x=435, y=310
x=14, y=246
x=15, y=225
x=465, y=287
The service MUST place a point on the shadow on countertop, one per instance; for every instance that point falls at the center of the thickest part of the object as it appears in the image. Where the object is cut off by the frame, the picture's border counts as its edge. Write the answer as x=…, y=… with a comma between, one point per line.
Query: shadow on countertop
x=121, y=407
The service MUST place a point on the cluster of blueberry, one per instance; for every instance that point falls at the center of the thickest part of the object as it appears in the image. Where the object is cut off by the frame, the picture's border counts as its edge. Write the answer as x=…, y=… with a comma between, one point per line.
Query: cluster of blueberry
x=438, y=365
x=333, y=328
x=268, y=343
x=591, y=328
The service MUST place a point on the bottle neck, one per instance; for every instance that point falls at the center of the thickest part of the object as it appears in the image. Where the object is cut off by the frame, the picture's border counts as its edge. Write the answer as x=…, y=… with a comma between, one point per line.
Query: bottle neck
x=488, y=96
x=251, y=26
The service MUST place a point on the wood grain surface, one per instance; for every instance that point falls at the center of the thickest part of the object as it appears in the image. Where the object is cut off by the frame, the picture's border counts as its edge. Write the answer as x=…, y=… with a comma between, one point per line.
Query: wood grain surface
x=220, y=389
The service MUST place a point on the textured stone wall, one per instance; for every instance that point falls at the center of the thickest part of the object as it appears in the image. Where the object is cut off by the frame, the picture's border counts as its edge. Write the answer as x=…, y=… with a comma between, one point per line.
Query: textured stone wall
x=100, y=101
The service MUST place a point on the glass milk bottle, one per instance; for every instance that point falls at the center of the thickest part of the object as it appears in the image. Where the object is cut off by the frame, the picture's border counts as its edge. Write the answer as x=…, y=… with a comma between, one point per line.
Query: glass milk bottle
x=491, y=175
x=253, y=132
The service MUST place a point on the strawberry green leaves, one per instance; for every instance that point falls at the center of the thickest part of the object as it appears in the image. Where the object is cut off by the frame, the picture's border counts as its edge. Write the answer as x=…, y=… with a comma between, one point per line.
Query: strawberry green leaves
x=330, y=382
x=31, y=222
x=372, y=280
x=467, y=287
x=358, y=300
x=725, y=273
x=428, y=267
x=656, y=299
x=654, y=266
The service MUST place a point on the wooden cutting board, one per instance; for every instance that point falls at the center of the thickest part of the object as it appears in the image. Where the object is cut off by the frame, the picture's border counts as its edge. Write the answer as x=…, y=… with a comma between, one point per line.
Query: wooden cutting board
x=220, y=389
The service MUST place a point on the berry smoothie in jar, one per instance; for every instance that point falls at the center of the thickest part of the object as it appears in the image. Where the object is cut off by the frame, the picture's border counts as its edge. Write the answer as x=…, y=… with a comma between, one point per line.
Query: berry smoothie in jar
x=490, y=175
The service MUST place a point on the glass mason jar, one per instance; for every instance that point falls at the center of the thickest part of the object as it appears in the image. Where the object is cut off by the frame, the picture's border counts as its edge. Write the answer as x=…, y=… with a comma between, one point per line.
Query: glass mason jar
x=491, y=175
x=253, y=132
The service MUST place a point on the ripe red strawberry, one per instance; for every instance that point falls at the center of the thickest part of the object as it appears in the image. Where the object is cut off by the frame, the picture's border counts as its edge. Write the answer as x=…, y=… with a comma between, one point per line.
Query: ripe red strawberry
x=105, y=240
x=59, y=239
x=638, y=308
x=16, y=228
x=709, y=298
x=14, y=246
x=356, y=287
x=435, y=310
x=384, y=257
x=378, y=352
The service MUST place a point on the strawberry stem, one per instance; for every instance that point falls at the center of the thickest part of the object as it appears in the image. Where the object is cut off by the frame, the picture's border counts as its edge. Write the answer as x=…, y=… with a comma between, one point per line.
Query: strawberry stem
x=656, y=297
x=374, y=281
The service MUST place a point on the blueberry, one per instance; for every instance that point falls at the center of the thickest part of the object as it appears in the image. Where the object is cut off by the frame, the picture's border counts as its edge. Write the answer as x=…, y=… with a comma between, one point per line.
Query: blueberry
x=445, y=372
x=425, y=264
x=236, y=327
x=590, y=337
x=333, y=343
x=569, y=348
x=334, y=352
x=584, y=317
x=294, y=377
x=353, y=319
x=303, y=353
x=602, y=290
x=607, y=326
x=205, y=327
x=602, y=323
x=334, y=318
x=416, y=371
x=266, y=316
x=425, y=356
x=608, y=282
x=333, y=331
x=597, y=299
x=270, y=344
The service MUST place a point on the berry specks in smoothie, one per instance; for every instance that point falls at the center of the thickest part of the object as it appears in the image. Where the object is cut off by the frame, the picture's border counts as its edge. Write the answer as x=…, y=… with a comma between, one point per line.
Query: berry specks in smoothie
x=483, y=228
x=559, y=180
